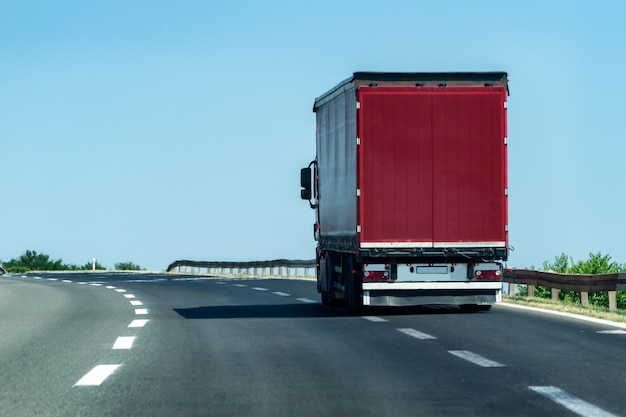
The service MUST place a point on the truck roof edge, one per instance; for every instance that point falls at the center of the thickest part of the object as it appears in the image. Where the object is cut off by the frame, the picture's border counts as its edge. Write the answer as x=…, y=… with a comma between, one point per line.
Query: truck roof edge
x=415, y=79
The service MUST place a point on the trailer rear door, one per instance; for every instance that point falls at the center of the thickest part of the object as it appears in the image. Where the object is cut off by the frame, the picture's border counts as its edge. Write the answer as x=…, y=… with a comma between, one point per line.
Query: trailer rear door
x=432, y=167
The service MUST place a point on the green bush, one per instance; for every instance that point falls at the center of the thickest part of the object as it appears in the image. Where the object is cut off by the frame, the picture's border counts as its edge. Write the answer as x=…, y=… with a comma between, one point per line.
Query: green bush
x=33, y=261
x=17, y=269
x=127, y=266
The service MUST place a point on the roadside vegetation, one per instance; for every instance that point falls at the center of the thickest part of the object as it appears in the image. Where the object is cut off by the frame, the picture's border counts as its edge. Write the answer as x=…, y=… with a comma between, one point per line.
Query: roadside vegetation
x=569, y=307
x=33, y=261
x=570, y=301
x=127, y=266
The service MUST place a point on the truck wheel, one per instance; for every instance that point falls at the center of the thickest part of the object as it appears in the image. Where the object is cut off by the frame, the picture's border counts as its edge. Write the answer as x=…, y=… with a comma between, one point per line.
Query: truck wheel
x=354, y=301
x=331, y=279
x=325, y=298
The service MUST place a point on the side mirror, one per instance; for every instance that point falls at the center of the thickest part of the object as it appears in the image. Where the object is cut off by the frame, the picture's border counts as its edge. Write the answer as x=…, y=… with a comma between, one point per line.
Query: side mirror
x=305, y=183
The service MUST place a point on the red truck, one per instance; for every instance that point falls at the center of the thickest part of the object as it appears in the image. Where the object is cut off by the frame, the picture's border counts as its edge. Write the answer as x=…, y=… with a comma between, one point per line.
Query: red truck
x=409, y=188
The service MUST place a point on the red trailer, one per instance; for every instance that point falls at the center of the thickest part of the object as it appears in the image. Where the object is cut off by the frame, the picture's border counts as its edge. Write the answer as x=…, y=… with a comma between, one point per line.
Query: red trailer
x=410, y=189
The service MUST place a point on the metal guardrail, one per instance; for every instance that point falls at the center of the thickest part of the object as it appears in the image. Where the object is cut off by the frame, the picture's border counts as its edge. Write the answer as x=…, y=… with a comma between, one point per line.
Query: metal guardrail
x=569, y=282
x=584, y=283
x=279, y=268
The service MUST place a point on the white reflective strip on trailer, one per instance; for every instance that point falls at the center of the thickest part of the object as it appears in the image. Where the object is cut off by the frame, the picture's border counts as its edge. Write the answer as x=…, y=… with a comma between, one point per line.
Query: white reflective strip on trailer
x=432, y=285
x=368, y=245
x=469, y=244
x=372, y=245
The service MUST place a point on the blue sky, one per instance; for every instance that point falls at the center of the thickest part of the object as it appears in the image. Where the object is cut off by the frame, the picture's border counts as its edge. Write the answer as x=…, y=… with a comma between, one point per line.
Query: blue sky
x=150, y=131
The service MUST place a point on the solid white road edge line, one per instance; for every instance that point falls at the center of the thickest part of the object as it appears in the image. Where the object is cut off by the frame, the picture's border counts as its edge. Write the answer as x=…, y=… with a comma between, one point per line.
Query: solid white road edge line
x=138, y=323
x=567, y=400
x=569, y=315
x=124, y=342
x=417, y=334
x=612, y=331
x=97, y=375
x=475, y=358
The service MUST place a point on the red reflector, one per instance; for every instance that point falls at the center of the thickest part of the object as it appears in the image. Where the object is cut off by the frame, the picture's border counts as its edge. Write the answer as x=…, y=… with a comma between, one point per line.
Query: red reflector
x=489, y=274
x=375, y=276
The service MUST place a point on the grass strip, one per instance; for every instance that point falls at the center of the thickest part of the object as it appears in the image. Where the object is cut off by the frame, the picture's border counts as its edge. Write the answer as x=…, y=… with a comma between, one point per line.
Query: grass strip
x=618, y=316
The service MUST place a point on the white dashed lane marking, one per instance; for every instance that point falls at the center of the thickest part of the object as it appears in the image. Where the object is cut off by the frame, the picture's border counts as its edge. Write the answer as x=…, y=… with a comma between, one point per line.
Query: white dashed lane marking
x=475, y=358
x=306, y=300
x=282, y=294
x=97, y=375
x=100, y=373
x=417, y=334
x=375, y=319
x=124, y=342
x=612, y=332
x=259, y=289
x=574, y=404
x=138, y=323
x=240, y=285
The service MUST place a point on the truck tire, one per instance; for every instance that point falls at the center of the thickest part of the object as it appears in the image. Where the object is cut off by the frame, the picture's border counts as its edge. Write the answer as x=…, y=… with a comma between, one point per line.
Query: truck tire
x=331, y=276
x=354, y=301
x=325, y=300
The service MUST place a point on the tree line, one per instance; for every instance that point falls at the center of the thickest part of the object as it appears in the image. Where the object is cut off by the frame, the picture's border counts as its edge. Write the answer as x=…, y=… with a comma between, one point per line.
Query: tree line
x=33, y=261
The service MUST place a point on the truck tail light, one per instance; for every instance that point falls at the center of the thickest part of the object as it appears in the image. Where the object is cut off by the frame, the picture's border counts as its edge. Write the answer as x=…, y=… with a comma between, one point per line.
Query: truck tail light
x=488, y=274
x=377, y=274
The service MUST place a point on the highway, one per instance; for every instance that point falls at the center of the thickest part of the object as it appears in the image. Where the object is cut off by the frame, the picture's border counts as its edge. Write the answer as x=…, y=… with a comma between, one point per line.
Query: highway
x=89, y=344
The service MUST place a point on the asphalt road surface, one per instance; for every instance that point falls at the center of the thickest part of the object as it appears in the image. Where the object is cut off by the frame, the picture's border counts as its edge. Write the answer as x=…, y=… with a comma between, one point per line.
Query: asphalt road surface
x=159, y=345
